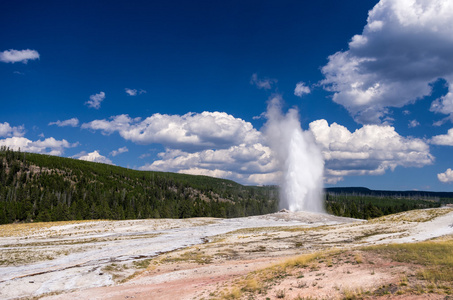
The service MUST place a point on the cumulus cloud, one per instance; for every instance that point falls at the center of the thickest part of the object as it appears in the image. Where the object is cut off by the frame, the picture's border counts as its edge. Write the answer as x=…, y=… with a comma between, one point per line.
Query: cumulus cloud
x=208, y=143
x=253, y=164
x=370, y=150
x=7, y=130
x=446, y=177
x=301, y=89
x=73, y=122
x=13, y=56
x=443, y=139
x=189, y=132
x=218, y=144
x=95, y=100
x=119, y=151
x=265, y=83
x=95, y=156
x=134, y=92
x=405, y=46
x=48, y=146
x=444, y=105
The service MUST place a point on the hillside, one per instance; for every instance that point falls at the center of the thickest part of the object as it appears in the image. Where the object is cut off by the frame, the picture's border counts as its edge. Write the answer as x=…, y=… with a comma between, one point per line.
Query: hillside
x=363, y=203
x=415, y=195
x=36, y=187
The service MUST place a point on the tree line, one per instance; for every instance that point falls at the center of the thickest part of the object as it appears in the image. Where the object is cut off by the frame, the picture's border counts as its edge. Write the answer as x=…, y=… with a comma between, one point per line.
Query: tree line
x=370, y=206
x=36, y=187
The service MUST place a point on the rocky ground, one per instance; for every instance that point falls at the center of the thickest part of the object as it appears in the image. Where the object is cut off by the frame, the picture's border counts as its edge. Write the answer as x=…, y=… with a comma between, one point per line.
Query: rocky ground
x=208, y=258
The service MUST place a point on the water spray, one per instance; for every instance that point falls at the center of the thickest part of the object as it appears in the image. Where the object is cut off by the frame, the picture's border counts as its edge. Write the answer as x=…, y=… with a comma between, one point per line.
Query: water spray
x=300, y=159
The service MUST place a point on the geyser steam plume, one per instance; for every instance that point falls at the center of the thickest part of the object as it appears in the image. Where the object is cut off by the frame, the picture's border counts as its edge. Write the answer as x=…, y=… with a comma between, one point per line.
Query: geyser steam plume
x=300, y=159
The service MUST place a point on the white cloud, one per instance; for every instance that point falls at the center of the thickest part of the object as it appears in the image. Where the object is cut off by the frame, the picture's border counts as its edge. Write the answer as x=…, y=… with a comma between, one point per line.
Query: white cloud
x=444, y=105
x=131, y=92
x=413, y=123
x=48, y=146
x=212, y=173
x=405, y=46
x=190, y=132
x=301, y=89
x=119, y=151
x=95, y=100
x=13, y=56
x=446, y=177
x=73, y=122
x=7, y=130
x=212, y=143
x=95, y=156
x=144, y=155
x=265, y=83
x=443, y=139
x=252, y=164
x=370, y=150
x=134, y=92
x=216, y=143
x=209, y=143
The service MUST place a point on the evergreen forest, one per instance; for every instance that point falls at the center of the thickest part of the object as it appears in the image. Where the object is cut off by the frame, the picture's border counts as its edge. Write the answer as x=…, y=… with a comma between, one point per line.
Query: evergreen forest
x=37, y=187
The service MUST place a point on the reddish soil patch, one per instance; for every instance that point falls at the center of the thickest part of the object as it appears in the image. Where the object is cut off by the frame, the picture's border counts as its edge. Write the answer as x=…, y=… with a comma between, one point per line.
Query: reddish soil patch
x=352, y=274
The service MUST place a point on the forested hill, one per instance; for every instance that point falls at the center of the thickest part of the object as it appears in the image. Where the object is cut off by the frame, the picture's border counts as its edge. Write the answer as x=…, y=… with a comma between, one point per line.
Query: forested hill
x=36, y=187
x=363, y=203
x=383, y=193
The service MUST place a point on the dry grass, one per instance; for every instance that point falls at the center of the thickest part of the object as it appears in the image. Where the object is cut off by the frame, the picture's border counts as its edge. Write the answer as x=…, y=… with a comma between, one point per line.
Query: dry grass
x=27, y=229
x=358, y=258
x=28, y=255
x=435, y=256
x=142, y=264
x=260, y=281
x=419, y=215
x=194, y=256
x=433, y=263
x=301, y=261
x=350, y=294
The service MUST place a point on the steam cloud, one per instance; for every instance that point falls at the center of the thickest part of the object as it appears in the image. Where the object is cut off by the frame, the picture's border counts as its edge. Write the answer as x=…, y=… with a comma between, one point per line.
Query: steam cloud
x=299, y=157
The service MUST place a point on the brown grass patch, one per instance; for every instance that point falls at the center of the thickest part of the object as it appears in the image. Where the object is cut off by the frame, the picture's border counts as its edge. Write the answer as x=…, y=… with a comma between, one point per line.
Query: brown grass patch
x=27, y=229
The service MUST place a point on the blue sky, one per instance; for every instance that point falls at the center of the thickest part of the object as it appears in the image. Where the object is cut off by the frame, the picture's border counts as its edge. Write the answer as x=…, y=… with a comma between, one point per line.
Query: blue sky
x=182, y=86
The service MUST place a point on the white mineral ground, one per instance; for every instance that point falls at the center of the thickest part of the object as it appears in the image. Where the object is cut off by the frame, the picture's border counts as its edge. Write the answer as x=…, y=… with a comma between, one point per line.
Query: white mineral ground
x=71, y=260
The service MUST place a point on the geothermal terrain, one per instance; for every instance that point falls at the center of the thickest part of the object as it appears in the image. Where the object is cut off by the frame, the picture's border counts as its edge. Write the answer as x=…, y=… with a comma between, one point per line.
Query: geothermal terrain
x=284, y=255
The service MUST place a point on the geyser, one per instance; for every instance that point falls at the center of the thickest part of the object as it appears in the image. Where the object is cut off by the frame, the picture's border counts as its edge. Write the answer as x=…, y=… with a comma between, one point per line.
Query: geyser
x=300, y=159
